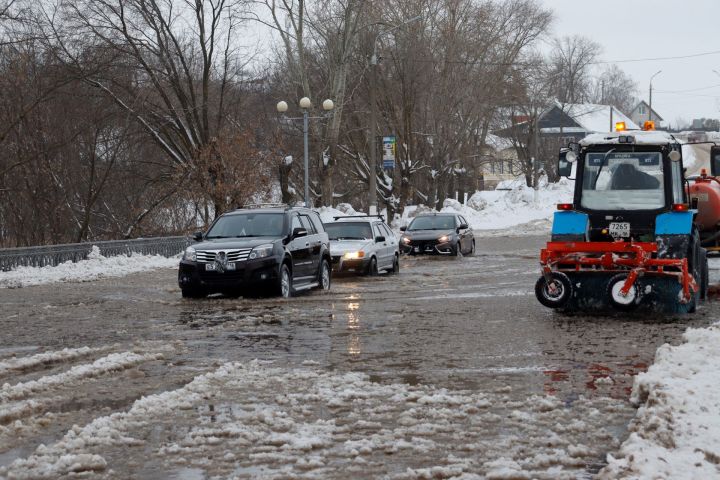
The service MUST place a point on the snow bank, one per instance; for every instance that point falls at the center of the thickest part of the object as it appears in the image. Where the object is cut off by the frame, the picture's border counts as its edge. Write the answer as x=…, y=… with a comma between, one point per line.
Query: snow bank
x=96, y=266
x=328, y=214
x=504, y=209
x=676, y=433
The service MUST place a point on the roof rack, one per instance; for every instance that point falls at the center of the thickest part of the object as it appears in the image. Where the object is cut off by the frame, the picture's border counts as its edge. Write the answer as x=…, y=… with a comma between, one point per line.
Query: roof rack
x=359, y=216
x=266, y=205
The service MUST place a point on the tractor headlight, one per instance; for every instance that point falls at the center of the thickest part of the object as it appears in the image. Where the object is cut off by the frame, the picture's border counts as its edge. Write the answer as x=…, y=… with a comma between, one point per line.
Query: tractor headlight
x=190, y=254
x=445, y=239
x=354, y=255
x=261, y=251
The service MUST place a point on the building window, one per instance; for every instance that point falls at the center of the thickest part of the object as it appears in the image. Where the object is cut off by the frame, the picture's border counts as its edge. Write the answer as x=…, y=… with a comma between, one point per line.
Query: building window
x=565, y=141
x=641, y=110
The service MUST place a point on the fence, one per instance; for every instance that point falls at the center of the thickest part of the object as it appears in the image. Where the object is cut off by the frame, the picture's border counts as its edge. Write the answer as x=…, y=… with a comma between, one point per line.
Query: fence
x=53, y=255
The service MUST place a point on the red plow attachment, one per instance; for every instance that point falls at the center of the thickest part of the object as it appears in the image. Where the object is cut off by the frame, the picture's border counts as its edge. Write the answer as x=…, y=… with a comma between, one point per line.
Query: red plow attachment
x=624, y=262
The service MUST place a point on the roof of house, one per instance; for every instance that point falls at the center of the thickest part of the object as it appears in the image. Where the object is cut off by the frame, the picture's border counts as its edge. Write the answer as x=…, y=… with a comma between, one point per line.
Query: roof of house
x=643, y=102
x=591, y=118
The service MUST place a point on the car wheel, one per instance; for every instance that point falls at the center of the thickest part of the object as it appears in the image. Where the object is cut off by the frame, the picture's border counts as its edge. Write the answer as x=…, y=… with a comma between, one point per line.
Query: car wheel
x=372, y=268
x=472, y=247
x=324, y=275
x=457, y=251
x=396, y=266
x=285, y=281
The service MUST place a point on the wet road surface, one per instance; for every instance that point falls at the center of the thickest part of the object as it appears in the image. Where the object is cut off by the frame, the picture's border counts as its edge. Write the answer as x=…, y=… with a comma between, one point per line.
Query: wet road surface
x=450, y=368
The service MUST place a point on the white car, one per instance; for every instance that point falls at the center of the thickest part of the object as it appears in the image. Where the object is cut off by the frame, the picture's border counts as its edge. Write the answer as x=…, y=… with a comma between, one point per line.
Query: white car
x=363, y=244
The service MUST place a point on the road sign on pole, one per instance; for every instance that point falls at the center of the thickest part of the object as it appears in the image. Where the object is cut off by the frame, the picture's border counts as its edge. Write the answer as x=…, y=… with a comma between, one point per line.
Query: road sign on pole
x=389, y=145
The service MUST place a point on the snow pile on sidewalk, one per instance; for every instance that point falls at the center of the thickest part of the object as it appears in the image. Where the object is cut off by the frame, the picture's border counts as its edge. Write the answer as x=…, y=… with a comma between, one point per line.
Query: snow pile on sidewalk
x=328, y=214
x=676, y=433
x=96, y=266
x=504, y=209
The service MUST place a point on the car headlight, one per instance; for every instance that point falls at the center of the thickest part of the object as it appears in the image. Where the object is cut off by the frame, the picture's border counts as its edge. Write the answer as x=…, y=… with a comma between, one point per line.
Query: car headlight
x=261, y=251
x=445, y=238
x=190, y=254
x=406, y=240
x=354, y=255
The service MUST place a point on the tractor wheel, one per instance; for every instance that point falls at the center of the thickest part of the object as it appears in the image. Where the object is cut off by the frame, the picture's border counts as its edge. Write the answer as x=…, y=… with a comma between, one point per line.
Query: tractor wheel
x=556, y=293
x=704, y=274
x=619, y=301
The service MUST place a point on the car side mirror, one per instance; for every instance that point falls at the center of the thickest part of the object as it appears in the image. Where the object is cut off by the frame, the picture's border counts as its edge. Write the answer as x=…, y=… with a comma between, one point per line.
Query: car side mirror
x=715, y=160
x=402, y=229
x=564, y=166
x=463, y=226
x=379, y=239
x=198, y=236
x=299, y=232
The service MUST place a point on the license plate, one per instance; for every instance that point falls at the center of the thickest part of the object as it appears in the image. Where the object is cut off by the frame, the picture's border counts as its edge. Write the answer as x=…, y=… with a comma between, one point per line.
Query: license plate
x=619, y=229
x=211, y=267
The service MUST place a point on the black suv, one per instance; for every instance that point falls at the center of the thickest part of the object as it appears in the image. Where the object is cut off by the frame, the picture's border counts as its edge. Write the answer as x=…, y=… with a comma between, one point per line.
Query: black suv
x=282, y=248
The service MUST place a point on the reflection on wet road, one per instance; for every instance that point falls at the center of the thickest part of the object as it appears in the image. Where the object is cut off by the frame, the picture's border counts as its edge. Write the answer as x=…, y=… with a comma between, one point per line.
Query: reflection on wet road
x=450, y=367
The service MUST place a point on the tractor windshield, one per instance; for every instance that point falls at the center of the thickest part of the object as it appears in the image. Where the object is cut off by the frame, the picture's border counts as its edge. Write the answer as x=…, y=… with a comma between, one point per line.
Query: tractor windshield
x=623, y=181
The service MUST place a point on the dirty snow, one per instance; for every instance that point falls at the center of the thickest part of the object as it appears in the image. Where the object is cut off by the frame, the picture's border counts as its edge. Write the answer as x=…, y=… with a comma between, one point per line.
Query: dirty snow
x=676, y=433
x=519, y=206
x=251, y=419
x=45, y=358
x=95, y=267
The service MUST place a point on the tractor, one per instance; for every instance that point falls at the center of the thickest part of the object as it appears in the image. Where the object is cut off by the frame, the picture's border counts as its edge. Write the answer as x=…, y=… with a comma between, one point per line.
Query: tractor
x=634, y=233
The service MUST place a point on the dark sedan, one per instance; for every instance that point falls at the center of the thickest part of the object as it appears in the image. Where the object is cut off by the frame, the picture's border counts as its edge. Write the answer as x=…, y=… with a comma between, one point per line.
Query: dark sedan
x=438, y=233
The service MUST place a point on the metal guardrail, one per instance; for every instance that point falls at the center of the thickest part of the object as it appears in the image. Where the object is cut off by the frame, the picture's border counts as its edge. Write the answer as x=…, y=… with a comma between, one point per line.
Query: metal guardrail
x=54, y=255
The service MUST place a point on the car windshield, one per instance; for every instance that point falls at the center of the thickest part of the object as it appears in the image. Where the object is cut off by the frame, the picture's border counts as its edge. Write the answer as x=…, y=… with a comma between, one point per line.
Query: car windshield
x=248, y=225
x=348, y=230
x=623, y=181
x=434, y=222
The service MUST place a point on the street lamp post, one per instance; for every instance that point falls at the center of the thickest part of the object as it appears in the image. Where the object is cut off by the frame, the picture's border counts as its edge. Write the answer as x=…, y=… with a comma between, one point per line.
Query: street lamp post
x=651, y=79
x=372, y=167
x=305, y=105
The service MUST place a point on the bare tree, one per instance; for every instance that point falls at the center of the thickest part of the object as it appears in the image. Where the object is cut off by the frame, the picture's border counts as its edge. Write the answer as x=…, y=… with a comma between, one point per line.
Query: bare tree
x=319, y=41
x=181, y=64
x=615, y=87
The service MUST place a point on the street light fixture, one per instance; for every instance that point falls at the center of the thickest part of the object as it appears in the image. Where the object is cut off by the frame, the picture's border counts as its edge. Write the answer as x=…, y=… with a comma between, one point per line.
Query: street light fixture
x=651, y=79
x=305, y=104
x=372, y=181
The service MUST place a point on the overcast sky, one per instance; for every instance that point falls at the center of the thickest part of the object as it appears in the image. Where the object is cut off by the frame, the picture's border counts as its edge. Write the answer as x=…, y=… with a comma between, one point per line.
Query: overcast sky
x=637, y=29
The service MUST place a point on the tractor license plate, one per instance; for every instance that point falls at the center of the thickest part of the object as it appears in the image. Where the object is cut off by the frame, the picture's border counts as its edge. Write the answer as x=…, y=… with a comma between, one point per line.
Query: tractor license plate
x=619, y=229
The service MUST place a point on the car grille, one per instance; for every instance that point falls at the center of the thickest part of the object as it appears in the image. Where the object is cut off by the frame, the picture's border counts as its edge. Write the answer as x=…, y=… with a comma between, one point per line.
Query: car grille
x=423, y=244
x=208, y=256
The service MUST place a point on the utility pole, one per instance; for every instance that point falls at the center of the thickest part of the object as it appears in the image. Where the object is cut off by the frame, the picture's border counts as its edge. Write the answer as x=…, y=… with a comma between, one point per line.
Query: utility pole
x=372, y=180
x=651, y=79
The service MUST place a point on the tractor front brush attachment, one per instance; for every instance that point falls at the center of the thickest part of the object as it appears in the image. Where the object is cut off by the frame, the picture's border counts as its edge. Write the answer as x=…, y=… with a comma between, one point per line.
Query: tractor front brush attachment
x=592, y=276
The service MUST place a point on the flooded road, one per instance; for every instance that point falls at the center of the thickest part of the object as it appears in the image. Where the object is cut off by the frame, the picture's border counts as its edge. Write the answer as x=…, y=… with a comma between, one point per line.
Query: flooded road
x=450, y=368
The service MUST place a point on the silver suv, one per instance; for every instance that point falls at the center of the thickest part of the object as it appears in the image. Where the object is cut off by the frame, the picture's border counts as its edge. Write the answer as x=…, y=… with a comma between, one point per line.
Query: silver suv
x=363, y=244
